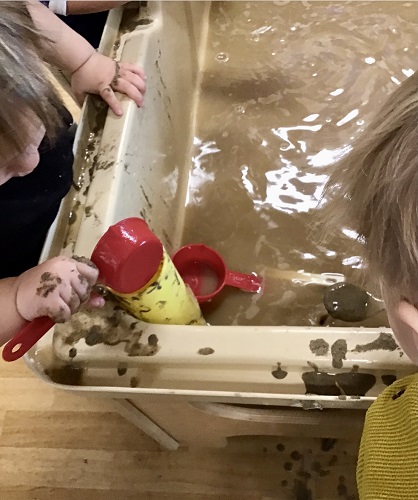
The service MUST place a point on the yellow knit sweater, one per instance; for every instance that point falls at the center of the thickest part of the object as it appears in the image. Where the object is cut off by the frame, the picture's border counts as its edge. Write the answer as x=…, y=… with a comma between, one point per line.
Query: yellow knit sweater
x=387, y=467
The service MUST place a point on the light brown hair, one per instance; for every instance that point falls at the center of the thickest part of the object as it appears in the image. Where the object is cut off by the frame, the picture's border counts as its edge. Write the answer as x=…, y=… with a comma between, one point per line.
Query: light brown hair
x=374, y=191
x=24, y=87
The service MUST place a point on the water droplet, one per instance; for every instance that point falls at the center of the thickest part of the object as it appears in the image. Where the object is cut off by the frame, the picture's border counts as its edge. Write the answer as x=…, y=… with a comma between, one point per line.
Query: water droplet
x=222, y=57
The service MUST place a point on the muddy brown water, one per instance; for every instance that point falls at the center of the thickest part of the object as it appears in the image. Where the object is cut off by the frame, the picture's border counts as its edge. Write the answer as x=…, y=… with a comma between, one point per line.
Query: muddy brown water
x=286, y=88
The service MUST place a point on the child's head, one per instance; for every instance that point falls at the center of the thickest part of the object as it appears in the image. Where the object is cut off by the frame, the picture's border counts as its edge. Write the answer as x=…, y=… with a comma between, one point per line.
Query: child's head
x=374, y=190
x=28, y=103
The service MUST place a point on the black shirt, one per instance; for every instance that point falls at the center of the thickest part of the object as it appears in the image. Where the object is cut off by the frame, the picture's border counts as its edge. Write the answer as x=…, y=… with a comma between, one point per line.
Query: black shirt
x=29, y=205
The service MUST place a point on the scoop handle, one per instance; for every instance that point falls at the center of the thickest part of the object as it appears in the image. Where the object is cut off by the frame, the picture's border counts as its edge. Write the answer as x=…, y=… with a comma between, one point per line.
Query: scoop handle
x=27, y=338
x=326, y=279
x=246, y=282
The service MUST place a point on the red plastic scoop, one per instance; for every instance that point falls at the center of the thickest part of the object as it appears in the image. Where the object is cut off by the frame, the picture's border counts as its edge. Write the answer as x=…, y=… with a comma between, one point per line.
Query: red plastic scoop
x=26, y=338
x=204, y=270
x=127, y=256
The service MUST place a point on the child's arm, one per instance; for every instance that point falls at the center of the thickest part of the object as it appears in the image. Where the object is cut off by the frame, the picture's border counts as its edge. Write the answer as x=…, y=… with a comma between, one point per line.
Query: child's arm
x=90, y=6
x=56, y=288
x=11, y=321
x=69, y=7
x=91, y=72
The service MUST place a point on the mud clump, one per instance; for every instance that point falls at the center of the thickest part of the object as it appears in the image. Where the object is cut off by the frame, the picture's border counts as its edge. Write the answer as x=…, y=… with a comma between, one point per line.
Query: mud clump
x=385, y=342
x=94, y=336
x=205, y=351
x=338, y=351
x=319, y=347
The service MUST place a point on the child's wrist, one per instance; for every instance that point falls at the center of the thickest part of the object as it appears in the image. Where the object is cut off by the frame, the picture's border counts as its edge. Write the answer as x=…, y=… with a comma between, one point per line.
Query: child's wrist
x=16, y=301
x=89, y=56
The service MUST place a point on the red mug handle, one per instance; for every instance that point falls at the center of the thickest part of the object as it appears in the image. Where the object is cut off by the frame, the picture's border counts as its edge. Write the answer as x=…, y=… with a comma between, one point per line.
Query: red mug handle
x=26, y=338
x=246, y=282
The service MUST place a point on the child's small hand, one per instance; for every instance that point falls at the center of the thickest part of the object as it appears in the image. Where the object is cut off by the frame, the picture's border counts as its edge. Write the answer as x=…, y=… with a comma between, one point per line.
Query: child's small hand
x=57, y=288
x=102, y=75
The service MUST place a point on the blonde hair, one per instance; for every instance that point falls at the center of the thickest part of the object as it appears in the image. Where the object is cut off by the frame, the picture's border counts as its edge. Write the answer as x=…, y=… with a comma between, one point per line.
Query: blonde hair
x=374, y=191
x=25, y=88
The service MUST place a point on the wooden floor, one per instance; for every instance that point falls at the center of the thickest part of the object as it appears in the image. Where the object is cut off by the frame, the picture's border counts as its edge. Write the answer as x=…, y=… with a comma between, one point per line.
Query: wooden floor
x=55, y=445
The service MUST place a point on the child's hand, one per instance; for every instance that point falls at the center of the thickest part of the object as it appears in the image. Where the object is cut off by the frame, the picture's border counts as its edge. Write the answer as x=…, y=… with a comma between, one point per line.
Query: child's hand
x=57, y=288
x=101, y=75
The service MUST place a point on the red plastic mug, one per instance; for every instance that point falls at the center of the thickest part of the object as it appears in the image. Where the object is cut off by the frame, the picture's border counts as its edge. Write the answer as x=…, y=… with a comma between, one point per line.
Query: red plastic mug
x=117, y=255
x=205, y=271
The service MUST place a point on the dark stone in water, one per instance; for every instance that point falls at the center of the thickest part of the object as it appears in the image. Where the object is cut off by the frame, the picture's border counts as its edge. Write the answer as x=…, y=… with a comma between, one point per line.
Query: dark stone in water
x=346, y=302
